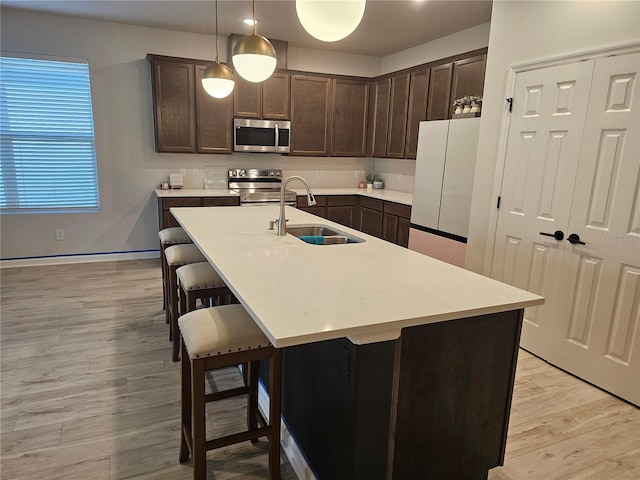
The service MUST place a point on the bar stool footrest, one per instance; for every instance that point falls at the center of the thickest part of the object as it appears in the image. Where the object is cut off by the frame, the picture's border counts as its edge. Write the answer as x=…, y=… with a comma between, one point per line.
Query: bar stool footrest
x=237, y=438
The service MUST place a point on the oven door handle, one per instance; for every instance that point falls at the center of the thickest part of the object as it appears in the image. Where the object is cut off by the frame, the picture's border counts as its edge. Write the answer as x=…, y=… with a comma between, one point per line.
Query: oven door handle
x=275, y=147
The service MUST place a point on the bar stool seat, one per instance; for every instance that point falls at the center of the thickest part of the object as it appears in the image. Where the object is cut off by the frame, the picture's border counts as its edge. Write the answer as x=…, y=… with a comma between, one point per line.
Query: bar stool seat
x=169, y=236
x=198, y=281
x=215, y=338
x=176, y=256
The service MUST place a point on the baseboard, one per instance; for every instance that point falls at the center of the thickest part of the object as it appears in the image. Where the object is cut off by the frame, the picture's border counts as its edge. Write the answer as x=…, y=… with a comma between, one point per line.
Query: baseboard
x=78, y=258
x=288, y=442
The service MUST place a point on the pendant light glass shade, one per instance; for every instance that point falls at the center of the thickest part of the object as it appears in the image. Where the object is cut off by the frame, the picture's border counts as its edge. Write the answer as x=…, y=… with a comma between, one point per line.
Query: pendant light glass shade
x=254, y=58
x=330, y=20
x=217, y=80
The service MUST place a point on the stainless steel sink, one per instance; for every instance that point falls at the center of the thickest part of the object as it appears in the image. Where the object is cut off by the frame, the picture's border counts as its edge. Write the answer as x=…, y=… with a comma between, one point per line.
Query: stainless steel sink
x=321, y=235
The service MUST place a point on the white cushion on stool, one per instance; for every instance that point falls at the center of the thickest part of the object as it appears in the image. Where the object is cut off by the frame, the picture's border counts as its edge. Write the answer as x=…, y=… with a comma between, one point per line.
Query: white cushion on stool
x=183, y=254
x=219, y=331
x=173, y=236
x=198, y=276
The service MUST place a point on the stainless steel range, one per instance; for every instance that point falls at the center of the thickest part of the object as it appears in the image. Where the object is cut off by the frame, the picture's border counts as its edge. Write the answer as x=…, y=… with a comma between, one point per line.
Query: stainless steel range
x=259, y=187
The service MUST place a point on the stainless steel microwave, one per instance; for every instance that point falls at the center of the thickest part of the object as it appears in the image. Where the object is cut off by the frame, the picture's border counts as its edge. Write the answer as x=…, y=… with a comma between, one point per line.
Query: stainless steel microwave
x=271, y=136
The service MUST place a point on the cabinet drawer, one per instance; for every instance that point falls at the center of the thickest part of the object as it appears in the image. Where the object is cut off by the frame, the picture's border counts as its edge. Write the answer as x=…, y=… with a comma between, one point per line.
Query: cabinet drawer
x=372, y=203
x=341, y=200
x=397, y=209
x=221, y=201
x=321, y=201
x=167, y=203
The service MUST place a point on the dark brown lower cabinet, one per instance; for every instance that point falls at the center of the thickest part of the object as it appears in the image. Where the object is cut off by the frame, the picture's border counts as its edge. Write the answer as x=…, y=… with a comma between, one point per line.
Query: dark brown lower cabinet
x=166, y=220
x=342, y=209
x=395, y=227
x=371, y=221
x=319, y=209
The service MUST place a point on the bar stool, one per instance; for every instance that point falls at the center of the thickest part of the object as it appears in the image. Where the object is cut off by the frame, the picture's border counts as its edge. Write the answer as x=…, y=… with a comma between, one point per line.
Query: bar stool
x=177, y=256
x=215, y=338
x=169, y=236
x=197, y=281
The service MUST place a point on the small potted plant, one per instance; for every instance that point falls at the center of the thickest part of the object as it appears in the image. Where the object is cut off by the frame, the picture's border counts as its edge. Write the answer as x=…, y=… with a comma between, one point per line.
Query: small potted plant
x=459, y=106
x=476, y=103
x=466, y=102
x=378, y=182
x=370, y=178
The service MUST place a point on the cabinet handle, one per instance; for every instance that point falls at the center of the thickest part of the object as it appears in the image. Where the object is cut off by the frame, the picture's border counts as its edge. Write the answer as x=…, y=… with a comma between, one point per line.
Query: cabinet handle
x=558, y=234
x=574, y=239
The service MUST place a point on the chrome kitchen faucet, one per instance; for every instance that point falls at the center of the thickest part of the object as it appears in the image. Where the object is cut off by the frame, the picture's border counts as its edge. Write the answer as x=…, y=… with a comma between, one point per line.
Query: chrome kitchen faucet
x=281, y=222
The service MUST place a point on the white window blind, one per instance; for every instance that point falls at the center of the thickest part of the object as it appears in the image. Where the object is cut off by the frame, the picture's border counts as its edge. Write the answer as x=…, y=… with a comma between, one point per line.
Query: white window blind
x=47, y=144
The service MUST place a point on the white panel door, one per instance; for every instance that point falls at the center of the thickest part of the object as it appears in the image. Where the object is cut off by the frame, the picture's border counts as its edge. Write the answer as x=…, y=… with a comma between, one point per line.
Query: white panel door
x=597, y=326
x=543, y=148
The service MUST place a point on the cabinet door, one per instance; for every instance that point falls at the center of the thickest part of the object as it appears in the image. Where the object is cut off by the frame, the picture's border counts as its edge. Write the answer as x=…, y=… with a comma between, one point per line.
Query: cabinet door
x=468, y=78
x=344, y=215
x=247, y=98
x=275, y=97
x=349, y=126
x=390, y=228
x=174, y=106
x=379, y=117
x=440, y=92
x=214, y=119
x=310, y=115
x=403, y=232
x=371, y=222
x=398, y=116
x=418, y=94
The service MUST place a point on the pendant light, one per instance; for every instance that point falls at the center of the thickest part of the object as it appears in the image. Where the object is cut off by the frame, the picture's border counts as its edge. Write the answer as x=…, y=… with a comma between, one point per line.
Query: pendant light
x=330, y=20
x=254, y=58
x=217, y=79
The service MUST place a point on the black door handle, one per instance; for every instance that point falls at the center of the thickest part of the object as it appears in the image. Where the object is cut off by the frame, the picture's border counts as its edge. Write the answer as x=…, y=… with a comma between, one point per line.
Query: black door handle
x=574, y=239
x=558, y=234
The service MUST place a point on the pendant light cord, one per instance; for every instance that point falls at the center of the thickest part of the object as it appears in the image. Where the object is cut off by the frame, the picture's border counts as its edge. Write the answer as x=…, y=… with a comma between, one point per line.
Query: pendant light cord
x=217, y=52
x=254, y=17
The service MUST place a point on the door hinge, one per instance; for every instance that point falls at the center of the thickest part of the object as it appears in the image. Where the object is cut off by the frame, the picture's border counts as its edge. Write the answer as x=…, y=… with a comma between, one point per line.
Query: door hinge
x=510, y=102
x=498, y=203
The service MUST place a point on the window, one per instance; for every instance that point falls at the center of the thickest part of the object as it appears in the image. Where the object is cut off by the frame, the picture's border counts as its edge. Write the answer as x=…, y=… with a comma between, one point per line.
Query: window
x=47, y=145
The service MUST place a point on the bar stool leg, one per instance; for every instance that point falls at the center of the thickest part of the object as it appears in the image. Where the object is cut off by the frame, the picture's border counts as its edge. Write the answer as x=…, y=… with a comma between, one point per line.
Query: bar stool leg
x=275, y=374
x=252, y=407
x=199, y=447
x=186, y=426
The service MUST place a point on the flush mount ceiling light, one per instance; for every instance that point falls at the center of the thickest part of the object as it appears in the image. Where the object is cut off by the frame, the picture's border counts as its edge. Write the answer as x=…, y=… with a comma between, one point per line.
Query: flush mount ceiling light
x=217, y=79
x=330, y=20
x=254, y=58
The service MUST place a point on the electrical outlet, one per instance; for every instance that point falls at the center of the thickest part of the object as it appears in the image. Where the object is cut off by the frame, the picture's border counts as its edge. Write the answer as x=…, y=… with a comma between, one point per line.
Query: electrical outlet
x=399, y=177
x=356, y=174
x=59, y=234
x=318, y=173
x=196, y=172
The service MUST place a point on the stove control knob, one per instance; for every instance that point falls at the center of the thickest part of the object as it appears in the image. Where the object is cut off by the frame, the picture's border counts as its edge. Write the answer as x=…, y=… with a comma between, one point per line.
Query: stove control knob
x=241, y=173
x=271, y=173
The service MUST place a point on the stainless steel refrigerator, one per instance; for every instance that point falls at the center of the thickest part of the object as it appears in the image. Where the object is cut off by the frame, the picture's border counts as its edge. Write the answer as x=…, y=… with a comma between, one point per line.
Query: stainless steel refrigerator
x=445, y=166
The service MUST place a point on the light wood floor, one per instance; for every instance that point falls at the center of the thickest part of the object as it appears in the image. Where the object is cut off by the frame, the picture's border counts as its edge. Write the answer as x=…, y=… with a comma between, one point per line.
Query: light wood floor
x=89, y=392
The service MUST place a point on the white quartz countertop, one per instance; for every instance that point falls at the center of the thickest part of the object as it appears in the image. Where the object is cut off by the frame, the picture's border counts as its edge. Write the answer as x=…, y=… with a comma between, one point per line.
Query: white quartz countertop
x=300, y=293
x=194, y=192
x=382, y=194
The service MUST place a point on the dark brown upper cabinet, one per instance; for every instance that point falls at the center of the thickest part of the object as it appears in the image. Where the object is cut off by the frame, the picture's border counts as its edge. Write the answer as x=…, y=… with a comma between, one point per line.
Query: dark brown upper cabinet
x=310, y=115
x=214, y=119
x=398, y=115
x=268, y=99
x=418, y=94
x=440, y=92
x=379, y=97
x=349, y=125
x=468, y=78
x=174, y=106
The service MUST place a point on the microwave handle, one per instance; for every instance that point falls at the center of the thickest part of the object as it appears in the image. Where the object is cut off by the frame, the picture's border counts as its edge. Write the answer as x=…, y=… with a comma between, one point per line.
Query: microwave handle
x=277, y=135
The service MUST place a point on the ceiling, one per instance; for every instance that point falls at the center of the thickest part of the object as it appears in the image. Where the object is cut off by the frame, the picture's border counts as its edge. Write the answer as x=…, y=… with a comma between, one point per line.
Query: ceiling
x=388, y=26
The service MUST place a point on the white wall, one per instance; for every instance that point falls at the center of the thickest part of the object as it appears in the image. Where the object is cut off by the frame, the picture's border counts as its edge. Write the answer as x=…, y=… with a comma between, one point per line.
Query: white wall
x=454, y=44
x=526, y=31
x=128, y=167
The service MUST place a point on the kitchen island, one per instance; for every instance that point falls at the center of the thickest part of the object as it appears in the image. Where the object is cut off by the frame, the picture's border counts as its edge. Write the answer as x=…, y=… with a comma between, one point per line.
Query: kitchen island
x=396, y=365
